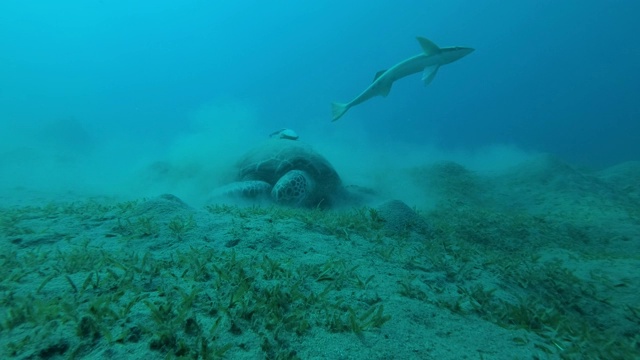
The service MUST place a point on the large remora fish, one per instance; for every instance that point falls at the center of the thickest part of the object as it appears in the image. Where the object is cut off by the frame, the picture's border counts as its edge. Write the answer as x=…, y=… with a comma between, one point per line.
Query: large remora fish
x=428, y=62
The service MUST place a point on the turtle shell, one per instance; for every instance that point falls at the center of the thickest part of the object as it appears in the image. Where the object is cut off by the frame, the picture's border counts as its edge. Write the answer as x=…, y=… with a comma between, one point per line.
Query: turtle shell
x=275, y=157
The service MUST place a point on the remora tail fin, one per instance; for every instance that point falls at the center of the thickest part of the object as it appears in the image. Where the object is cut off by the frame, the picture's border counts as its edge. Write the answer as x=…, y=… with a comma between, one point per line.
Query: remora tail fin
x=338, y=109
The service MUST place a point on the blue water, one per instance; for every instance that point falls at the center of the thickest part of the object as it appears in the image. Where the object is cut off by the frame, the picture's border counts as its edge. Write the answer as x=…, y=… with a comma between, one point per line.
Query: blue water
x=142, y=98
x=546, y=76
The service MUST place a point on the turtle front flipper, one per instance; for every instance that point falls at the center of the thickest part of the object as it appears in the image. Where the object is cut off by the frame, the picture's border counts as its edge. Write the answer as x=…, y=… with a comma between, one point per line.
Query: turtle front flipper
x=250, y=189
x=293, y=188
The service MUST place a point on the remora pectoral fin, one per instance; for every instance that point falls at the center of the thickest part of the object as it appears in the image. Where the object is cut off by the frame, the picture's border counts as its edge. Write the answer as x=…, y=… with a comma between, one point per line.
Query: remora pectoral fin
x=384, y=89
x=429, y=73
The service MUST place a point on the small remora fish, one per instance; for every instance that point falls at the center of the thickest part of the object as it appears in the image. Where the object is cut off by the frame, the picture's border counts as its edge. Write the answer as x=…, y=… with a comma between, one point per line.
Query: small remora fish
x=428, y=62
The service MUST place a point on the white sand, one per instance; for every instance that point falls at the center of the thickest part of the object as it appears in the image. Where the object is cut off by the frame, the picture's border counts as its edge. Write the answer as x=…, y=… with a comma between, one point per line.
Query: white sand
x=539, y=261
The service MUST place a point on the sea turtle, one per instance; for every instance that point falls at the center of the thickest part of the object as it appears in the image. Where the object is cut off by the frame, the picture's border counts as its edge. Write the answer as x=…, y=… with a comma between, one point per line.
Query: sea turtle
x=286, y=171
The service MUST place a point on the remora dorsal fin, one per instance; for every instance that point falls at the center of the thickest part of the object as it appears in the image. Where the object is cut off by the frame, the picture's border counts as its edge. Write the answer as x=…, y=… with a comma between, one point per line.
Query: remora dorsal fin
x=428, y=46
x=378, y=74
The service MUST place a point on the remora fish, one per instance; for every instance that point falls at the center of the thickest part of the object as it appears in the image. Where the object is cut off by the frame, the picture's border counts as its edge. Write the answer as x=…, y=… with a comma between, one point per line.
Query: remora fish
x=428, y=63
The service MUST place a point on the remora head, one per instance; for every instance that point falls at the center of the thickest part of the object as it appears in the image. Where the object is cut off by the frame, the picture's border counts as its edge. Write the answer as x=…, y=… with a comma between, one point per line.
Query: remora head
x=451, y=54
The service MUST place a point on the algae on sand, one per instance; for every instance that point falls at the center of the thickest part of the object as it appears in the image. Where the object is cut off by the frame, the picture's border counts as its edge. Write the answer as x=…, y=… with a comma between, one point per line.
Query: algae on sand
x=487, y=277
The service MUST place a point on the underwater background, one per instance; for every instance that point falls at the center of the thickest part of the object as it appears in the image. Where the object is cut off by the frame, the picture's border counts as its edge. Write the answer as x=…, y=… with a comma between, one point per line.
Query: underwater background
x=97, y=88
x=494, y=214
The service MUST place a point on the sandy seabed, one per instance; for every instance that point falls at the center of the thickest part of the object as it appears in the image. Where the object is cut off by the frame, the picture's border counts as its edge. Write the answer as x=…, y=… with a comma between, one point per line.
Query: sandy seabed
x=538, y=262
